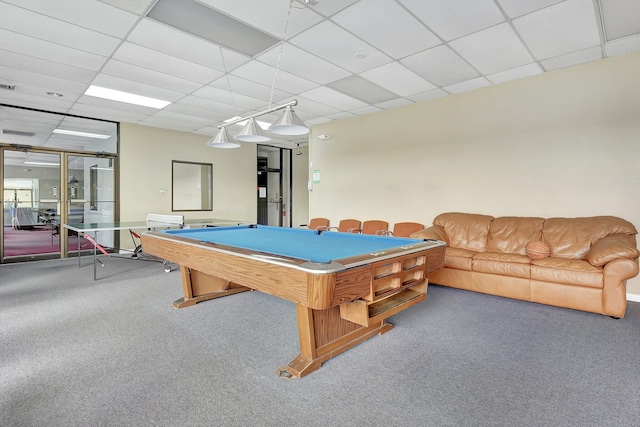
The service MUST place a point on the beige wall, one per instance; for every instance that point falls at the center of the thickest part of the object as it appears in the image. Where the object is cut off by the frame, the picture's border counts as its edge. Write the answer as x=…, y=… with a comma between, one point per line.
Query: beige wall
x=564, y=143
x=145, y=173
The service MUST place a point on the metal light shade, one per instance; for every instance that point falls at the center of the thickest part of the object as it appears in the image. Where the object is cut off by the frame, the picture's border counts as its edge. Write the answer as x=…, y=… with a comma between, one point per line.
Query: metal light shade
x=252, y=132
x=73, y=180
x=222, y=140
x=289, y=124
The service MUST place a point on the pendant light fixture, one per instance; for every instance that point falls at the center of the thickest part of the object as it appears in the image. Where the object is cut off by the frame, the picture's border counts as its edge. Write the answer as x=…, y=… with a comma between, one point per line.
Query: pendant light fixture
x=252, y=132
x=288, y=124
x=222, y=140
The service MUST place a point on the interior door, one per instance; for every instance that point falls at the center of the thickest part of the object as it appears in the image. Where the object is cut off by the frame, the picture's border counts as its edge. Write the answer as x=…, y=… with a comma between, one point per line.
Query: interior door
x=274, y=186
x=31, y=206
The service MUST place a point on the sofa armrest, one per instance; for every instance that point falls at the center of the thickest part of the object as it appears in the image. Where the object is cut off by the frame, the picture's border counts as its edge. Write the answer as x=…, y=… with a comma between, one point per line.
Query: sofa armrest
x=614, y=246
x=434, y=232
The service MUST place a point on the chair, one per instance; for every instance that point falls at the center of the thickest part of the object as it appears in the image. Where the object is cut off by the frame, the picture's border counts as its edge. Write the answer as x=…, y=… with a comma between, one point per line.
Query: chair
x=347, y=226
x=375, y=226
x=317, y=224
x=406, y=229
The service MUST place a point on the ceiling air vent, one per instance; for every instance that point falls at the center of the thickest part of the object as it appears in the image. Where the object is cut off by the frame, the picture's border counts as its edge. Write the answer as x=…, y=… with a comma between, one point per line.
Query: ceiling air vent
x=6, y=86
x=17, y=133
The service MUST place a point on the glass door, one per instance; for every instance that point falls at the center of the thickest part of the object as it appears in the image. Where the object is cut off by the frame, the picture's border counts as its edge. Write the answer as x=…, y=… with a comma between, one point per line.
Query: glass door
x=31, y=206
x=90, y=196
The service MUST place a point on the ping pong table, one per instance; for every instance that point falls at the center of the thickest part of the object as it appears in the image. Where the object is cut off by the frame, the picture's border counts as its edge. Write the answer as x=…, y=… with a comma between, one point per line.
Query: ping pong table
x=153, y=222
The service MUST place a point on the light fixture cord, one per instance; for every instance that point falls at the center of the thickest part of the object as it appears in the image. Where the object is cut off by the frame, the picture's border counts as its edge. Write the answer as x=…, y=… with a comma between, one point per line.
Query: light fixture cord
x=284, y=39
x=224, y=66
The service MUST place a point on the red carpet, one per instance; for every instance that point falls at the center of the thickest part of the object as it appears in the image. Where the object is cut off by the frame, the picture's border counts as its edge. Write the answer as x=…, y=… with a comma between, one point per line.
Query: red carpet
x=33, y=242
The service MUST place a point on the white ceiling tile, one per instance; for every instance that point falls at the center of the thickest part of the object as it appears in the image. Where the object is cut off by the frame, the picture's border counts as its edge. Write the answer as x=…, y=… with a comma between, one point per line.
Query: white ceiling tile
x=262, y=73
x=38, y=66
x=69, y=97
x=158, y=61
x=47, y=83
x=452, y=19
x=621, y=18
x=429, y=95
x=333, y=43
x=329, y=7
x=397, y=78
x=366, y=110
x=193, y=111
x=248, y=88
x=26, y=45
x=223, y=95
x=515, y=73
x=313, y=107
x=270, y=17
x=28, y=99
x=623, y=46
x=217, y=108
x=476, y=83
x=559, y=29
x=341, y=116
x=333, y=98
x=494, y=49
x=135, y=6
x=394, y=103
x=149, y=77
x=56, y=31
x=440, y=66
x=171, y=124
x=171, y=41
x=573, y=58
x=515, y=8
x=180, y=119
x=303, y=64
x=403, y=34
x=93, y=15
x=136, y=88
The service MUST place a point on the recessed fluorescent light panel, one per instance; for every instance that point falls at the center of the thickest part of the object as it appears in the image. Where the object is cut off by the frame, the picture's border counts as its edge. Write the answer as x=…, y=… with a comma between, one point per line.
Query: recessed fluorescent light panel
x=362, y=89
x=197, y=19
x=83, y=134
x=129, y=98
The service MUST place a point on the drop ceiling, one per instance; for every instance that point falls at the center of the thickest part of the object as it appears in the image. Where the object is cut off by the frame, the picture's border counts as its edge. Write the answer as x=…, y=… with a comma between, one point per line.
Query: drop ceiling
x=216, y=59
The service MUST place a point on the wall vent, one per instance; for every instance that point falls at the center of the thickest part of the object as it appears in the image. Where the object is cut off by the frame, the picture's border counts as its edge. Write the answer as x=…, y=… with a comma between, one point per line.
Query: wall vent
x=17, y=133
x=6, y=86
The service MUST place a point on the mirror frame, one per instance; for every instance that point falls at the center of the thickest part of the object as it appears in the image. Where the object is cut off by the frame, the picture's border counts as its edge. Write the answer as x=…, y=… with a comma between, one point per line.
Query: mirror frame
x=188, y=181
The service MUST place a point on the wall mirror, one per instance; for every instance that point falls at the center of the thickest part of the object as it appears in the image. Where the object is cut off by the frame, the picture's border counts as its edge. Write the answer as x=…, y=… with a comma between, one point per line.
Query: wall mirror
x=191, y=186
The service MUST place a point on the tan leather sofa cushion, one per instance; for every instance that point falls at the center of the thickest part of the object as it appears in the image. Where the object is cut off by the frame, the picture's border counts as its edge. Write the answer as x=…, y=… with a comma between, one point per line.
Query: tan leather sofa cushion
x=612, y=247
x=503, y=264
x=465, y=231
x=457, y=258
x=568, y=271
x=511, y=234
x=572, y=237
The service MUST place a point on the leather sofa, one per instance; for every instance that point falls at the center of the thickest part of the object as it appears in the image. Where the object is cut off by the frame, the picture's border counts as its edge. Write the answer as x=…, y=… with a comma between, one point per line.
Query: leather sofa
x=588, y=263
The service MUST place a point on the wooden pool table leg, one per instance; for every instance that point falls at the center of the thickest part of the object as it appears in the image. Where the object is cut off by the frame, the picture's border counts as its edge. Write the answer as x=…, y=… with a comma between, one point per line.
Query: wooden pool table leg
x=324, y=334
x=198, y=286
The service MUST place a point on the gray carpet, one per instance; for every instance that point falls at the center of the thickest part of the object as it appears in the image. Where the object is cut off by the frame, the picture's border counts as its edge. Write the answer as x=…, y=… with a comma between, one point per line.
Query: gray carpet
x=114, y=353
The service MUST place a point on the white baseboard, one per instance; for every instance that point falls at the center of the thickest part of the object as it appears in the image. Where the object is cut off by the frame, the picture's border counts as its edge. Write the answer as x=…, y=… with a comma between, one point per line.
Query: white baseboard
x=633, y=297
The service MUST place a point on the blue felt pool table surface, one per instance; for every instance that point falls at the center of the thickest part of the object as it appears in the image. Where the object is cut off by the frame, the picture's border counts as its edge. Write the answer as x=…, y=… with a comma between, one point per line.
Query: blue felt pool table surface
x=310, y=245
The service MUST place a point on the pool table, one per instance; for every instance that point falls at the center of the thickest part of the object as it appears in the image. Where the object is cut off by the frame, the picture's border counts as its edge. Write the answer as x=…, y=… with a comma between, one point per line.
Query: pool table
x=344, y=285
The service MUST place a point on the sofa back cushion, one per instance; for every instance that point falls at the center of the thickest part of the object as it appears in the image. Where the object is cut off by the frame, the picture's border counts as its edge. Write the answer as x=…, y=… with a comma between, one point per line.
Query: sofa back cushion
x=465, y=231
x=572, y=237
x=511, y=234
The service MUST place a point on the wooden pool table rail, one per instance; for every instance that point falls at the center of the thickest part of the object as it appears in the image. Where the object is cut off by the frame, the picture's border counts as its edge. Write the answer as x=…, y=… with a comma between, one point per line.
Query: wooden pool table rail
x=335, y=311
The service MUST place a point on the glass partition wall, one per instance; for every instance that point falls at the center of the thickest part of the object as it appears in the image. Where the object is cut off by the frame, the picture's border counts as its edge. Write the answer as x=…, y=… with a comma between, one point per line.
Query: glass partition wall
x=51, y=178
